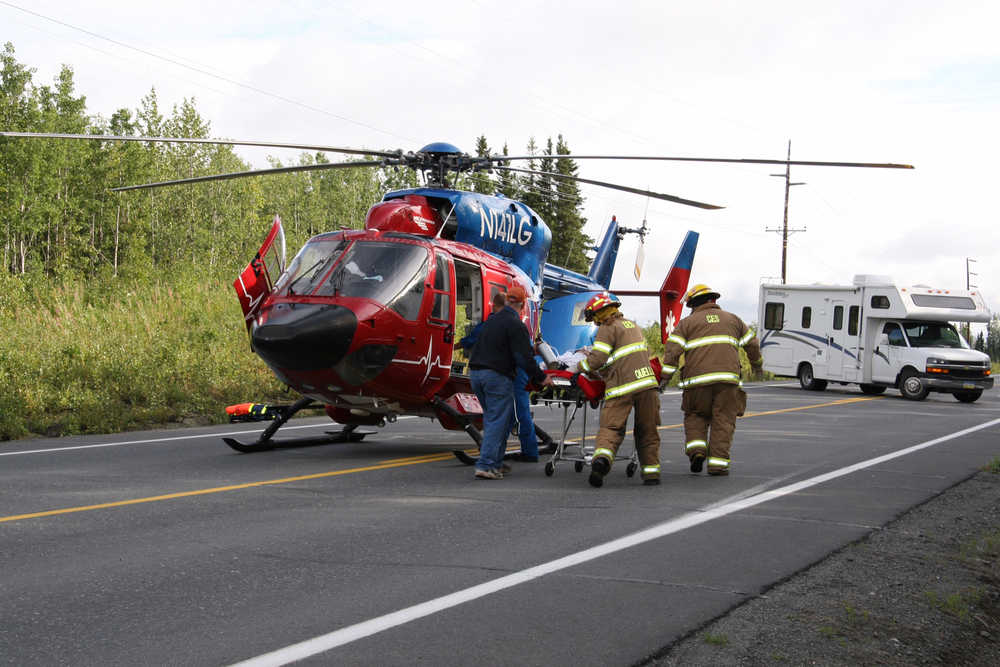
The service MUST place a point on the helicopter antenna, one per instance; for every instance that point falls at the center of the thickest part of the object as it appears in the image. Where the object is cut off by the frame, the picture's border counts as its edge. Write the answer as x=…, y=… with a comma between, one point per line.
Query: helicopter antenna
x=446, y=219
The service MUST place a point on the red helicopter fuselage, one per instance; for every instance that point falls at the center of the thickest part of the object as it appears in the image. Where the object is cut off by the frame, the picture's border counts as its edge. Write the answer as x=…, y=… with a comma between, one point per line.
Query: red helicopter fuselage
x=364, y=321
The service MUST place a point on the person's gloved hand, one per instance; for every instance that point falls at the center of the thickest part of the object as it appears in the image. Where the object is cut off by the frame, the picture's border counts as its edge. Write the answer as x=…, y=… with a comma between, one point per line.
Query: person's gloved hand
x=756, y=373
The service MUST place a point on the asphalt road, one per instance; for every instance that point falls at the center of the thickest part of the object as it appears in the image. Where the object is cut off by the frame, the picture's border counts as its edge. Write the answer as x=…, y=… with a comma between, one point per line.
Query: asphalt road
x=167, y=547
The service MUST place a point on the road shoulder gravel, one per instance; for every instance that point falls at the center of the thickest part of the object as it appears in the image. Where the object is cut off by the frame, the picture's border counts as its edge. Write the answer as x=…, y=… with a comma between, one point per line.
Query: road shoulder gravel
x=924, y=589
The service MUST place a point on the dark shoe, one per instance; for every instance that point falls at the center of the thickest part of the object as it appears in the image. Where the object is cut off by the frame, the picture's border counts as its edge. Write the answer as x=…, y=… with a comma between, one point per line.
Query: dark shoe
x=652, y=481
x=599, y=467
x=524, y=458
x=696, y=463
x=718, y=473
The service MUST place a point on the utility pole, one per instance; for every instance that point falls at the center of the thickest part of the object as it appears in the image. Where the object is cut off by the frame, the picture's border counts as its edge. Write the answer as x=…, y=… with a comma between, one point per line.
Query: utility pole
x=785, y=231
x=969, y=286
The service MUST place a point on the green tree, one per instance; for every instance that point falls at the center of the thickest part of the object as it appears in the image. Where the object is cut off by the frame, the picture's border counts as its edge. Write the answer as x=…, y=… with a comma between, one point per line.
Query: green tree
x=567, y=215
x=481, y=181
x=507, y=181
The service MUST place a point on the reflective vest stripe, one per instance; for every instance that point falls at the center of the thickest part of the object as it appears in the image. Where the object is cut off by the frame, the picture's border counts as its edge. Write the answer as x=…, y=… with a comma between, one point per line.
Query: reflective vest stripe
x=605, y=452
x=603, y=347
x=696, y=444
x=718, y=462
x=628, y=388
x=669, y=369
x=625, y=351
x=747, y=337
x=674, y=338
x=711, y=340
x=648, y=470
x=584, y=365
x=711, y=377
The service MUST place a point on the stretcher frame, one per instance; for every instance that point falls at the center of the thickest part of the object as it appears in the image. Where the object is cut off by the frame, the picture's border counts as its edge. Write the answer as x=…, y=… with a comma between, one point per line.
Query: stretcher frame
x=571, y=399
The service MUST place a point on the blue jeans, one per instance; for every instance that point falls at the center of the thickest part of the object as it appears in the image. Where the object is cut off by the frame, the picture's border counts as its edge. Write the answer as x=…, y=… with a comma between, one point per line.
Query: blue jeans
x=522, y=415
x=496, y=395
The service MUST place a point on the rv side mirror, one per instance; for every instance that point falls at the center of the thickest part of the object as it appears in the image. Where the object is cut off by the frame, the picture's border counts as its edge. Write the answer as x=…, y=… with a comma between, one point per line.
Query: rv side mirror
x=883, y=339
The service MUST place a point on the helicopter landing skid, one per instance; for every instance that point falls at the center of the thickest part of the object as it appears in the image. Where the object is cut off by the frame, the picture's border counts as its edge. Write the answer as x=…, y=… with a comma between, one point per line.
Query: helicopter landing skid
x=265, y=442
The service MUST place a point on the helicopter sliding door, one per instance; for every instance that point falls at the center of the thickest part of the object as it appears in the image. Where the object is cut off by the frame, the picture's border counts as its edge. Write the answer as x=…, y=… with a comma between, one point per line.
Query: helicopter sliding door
x=468, y=309
x=257, y=280
x=441, y=323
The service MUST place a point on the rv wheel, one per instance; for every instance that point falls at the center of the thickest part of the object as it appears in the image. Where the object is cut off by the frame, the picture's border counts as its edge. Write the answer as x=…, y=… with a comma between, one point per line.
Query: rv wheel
x=912, y=387
x=968, y=396
x=807, y=380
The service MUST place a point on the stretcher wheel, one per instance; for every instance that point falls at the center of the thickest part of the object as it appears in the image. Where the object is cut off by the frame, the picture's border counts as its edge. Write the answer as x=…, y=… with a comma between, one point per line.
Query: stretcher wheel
x=550, y=468
x=630, y=470
x=578, y=466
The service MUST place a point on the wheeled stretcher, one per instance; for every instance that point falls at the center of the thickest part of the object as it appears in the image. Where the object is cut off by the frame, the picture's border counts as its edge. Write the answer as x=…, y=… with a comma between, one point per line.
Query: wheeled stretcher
x=573, y=393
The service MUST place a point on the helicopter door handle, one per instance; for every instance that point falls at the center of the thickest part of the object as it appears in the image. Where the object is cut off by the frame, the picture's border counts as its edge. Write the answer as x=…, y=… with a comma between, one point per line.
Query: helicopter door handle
x=449, y=334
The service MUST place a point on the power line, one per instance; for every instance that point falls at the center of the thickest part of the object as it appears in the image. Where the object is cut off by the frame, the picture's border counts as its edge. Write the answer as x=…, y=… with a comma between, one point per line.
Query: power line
x=202, y=70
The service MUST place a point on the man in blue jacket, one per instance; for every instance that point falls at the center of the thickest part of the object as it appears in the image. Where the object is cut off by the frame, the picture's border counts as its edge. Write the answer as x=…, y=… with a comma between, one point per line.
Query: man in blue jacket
x=503, y=345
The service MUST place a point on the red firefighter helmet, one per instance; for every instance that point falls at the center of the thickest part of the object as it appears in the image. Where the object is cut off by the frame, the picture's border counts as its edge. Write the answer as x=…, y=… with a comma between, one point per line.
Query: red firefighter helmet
x=598, y=303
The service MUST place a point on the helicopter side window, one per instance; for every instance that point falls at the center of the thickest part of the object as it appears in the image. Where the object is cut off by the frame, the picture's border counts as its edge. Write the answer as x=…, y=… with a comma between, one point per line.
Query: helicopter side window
x=392, y=274
x=442, y=289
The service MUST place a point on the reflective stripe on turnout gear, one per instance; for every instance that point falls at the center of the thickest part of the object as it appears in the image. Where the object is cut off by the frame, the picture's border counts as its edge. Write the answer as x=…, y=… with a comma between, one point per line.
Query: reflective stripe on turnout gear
x=605, y=453
x=669, y=369
x=716, y=462
x=624, y=351
x=711, y=377
x=584, y=365
x=674, y=338
x=696, y=444
x=711, y=340
x=603, y=347
x=748, y=336
x=651, y=470
x=621, y=390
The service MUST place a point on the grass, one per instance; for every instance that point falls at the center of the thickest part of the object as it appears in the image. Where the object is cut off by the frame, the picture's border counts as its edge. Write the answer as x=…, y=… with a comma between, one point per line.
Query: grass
x=78, y=359
x=958, y=605
x=716, y=640
x=993, y=466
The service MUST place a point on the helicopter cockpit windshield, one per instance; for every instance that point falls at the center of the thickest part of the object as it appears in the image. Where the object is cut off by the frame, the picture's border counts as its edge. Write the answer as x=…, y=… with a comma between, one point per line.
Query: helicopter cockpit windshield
x=392, y=274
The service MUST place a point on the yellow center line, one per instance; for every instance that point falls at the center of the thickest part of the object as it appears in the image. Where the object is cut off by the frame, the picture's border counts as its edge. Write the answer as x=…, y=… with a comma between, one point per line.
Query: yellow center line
x=391, y=463
x=842, y=401
x=395, y=463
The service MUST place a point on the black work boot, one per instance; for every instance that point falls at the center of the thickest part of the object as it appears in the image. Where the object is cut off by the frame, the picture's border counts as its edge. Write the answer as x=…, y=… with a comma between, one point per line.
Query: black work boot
x=651, y=481
x=599, y=467
x=696, y=462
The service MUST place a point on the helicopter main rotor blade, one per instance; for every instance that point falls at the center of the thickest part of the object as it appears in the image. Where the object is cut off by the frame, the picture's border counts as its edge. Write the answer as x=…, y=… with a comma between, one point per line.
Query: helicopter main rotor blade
x=623, y=188
x=257, y=172
x=184, y=140
x=805, y=163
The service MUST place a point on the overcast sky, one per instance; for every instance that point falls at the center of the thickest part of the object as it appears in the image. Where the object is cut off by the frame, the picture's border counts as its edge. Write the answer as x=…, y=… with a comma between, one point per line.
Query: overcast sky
x=874, y=81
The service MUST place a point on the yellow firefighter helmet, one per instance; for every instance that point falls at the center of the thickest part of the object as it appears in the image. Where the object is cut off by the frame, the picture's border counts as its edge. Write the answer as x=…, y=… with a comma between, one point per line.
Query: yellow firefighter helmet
x=700, y=291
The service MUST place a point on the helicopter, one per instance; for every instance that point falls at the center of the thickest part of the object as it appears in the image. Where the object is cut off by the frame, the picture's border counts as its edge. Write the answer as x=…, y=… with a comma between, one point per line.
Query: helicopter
x=363, y=322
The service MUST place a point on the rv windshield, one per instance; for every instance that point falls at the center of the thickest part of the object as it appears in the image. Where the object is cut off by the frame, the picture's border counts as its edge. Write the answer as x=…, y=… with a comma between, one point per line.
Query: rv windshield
x=932, y=334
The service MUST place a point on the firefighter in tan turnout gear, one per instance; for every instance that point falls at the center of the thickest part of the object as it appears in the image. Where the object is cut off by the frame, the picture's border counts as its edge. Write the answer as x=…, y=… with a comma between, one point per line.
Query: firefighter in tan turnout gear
x=619, y=356
x=710, y=340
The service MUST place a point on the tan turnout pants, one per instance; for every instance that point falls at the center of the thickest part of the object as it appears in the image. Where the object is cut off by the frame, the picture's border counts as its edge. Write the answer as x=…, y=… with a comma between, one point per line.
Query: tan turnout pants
x=614, y=419
x=710, y=413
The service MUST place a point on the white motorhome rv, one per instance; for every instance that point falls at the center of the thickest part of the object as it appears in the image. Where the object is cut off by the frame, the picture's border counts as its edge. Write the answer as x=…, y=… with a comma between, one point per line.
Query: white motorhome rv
x=875, y=334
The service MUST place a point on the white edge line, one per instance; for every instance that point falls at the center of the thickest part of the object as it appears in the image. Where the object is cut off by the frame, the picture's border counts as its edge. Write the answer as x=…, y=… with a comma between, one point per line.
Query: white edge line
x=351, y=633
x=173, y=439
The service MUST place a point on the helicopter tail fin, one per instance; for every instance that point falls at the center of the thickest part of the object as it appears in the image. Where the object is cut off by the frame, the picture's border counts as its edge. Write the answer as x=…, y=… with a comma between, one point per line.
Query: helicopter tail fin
x=675, y=284
x=603, y=265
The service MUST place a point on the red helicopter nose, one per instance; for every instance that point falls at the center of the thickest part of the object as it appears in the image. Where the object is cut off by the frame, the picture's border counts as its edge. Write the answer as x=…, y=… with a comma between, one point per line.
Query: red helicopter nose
x=305, y=336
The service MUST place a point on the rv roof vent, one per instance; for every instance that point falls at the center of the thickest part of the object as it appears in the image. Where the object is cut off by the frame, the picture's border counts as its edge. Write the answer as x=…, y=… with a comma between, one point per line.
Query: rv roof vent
x=869, y=280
